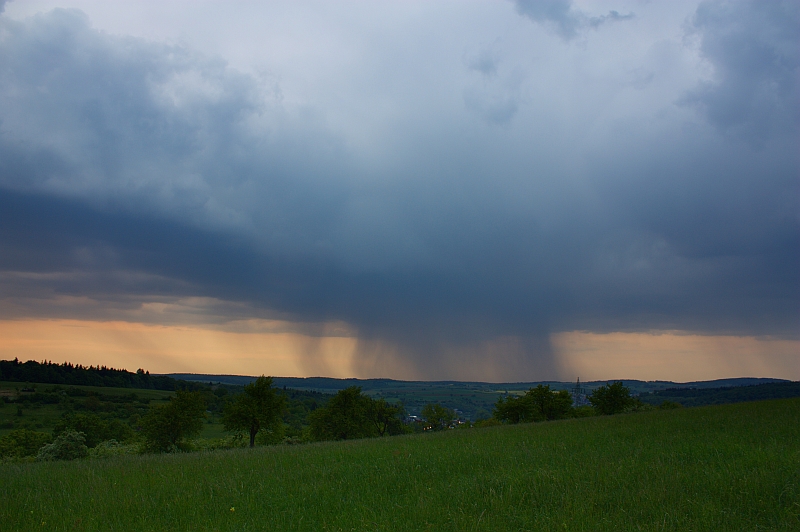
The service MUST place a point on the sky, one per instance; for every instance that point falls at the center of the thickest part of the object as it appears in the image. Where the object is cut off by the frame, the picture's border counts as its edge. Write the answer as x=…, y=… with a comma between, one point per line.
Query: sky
x=486, y=190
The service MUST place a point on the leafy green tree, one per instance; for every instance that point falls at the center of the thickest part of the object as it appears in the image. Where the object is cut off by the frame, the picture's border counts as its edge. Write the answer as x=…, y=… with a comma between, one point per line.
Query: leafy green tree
x=611, y=398
x=345, y=417
x=258, y=408
x=513, y=410
x=386, y=417
x=538, y=404
x=437, y=417
x=549, y=404
x=22, y=442
x=69, y=445
x=166, y=427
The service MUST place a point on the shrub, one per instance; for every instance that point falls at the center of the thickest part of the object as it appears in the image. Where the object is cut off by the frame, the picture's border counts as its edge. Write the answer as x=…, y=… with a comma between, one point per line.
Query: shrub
x=636, y=405
x=94, y=428
x=584, y=411
x=272, y=435
x=68, y=446
x=234, y=441
x=22, y=442
x=113, y=448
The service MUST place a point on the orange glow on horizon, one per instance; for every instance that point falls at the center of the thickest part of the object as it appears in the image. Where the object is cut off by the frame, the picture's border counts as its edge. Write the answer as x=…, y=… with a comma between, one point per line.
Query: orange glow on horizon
x=674, y=356
x=253, y=348
x=176, y=349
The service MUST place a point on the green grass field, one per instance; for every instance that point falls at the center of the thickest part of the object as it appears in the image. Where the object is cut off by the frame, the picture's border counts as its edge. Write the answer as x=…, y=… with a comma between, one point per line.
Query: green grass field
x=731, y=467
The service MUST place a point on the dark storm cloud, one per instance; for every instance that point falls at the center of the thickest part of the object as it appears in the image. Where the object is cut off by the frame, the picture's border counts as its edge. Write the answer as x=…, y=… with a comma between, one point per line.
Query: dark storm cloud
x=753, y=47
x=130, y=169
x=140, y=126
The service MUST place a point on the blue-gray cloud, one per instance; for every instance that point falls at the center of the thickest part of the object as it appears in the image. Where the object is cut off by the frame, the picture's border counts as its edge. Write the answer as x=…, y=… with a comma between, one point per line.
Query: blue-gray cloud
x=134, y=169
x=753, y=48
x=561, y=15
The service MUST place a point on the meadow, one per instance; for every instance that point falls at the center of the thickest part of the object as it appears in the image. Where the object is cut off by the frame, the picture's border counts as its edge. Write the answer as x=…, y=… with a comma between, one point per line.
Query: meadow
x=729, y=467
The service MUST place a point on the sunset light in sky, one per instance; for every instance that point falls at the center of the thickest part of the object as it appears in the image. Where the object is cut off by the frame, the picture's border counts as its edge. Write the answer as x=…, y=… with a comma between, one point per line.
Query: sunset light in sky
x=192, y=349
x=452, y=190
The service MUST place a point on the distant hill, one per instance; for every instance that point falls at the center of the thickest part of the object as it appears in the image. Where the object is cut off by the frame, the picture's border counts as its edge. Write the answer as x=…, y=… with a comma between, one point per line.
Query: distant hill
x=332, y=385
x=724, y=395
x=476, y=400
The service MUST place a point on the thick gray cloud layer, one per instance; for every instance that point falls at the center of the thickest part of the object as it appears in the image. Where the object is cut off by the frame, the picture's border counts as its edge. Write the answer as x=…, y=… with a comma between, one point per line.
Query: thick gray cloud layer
x=753, y=47
x=516, y=194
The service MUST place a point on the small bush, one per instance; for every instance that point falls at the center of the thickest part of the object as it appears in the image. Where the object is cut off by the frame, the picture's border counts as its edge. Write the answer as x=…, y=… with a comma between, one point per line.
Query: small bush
x=68, y=446
x=113, y=448
x=669, y=405
x=584, y=411
x=636, y=405
x=231, y=442
x=272, y=435
x=94, y=428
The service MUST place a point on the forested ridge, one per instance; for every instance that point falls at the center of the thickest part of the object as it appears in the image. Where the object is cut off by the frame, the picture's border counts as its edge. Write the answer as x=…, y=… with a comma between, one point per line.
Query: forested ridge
x=724, y=395
x=47, y=372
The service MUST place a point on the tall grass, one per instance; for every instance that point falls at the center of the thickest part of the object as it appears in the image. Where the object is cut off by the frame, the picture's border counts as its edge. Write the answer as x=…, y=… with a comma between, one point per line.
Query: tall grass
x=733, y=467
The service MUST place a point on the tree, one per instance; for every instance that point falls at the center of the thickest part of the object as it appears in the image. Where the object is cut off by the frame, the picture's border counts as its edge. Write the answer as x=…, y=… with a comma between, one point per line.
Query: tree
x=258, y=408
x=512, y=410
x=345, y=417
x=611, y=398
x=166, y=427
x=538, y=404
x=386, y=417
x=549, y=404
x=437, y=416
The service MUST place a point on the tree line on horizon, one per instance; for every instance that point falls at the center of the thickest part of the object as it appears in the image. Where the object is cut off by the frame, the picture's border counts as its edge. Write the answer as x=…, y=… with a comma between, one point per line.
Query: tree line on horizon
x=66, y=373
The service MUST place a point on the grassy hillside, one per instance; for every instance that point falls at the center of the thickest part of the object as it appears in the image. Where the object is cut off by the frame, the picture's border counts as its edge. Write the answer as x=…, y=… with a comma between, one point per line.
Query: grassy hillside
x=732, y=467
x=41, y=410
